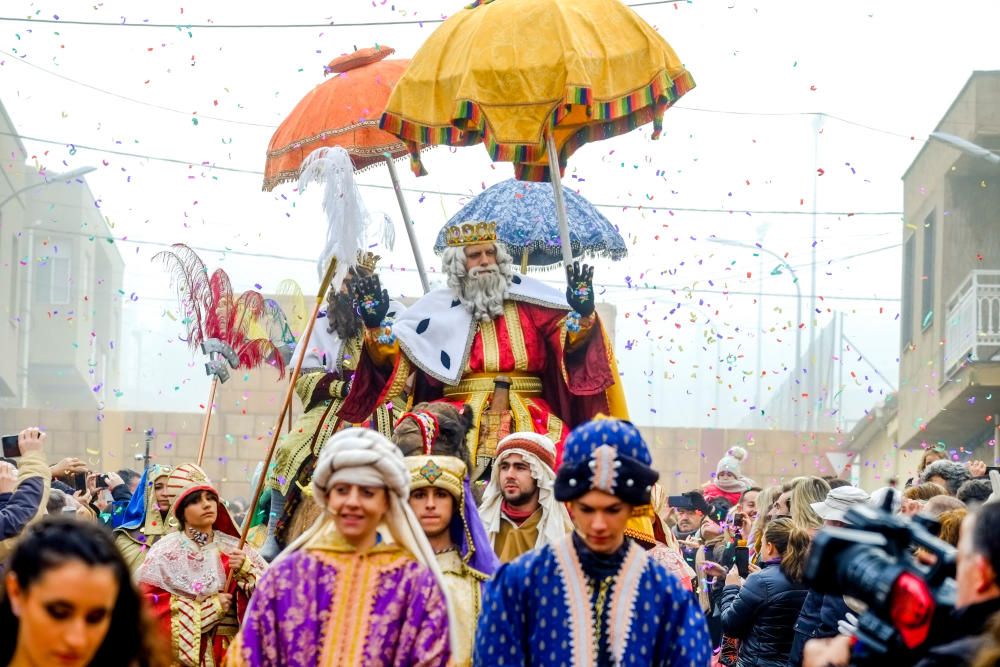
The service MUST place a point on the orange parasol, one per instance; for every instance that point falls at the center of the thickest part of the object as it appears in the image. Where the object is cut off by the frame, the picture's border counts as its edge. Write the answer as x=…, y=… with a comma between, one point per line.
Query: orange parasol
x=343, y=111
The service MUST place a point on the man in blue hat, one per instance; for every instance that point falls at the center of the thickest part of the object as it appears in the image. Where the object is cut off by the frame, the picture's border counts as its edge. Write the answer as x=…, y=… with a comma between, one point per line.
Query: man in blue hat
x=594, y=598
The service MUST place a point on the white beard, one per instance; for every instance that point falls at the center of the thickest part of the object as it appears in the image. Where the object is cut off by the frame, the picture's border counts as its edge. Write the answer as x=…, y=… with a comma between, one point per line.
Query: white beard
x=483, y=291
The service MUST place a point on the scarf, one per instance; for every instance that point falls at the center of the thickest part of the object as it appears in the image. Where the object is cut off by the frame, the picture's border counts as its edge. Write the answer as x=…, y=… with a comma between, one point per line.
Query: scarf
x=516, y=515
x=731, y=485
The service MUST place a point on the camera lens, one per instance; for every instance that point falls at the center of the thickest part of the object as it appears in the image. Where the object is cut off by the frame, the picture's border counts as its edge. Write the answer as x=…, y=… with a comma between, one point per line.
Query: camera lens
x=867, y=573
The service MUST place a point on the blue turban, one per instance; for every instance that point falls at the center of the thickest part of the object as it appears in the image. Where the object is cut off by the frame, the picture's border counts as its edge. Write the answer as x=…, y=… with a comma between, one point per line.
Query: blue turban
x=606, y=455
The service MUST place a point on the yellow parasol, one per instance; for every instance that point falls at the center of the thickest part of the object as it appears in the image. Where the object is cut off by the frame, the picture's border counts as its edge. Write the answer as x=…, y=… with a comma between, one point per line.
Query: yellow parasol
x=534, y=80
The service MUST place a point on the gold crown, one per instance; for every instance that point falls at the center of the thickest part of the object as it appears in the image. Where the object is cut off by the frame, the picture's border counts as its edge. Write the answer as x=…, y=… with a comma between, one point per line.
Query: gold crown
x=470, y=233
x=368, y=260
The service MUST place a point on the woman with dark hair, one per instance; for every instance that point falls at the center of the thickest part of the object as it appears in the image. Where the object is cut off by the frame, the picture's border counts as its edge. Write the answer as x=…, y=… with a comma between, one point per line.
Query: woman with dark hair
x=68, y=600
x=188, y=576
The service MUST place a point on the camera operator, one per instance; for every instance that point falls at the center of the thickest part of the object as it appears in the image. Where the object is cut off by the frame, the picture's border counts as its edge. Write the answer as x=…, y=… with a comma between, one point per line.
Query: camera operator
x=977, y=599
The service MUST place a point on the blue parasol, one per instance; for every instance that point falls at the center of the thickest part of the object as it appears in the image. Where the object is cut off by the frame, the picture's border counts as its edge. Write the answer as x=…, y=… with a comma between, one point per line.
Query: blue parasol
x=525, y=213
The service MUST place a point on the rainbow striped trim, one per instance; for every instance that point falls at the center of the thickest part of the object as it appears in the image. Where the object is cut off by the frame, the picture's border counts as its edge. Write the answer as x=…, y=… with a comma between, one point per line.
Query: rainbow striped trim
x=610, y=118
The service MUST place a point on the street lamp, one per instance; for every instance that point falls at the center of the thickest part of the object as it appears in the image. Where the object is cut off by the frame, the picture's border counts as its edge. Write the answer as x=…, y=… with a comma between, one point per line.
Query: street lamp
x=966, y=146
x=782, y=262
x=56, y=178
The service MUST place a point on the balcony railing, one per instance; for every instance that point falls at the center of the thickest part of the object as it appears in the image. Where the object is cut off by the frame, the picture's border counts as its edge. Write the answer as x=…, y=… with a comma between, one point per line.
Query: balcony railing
x=972, y=326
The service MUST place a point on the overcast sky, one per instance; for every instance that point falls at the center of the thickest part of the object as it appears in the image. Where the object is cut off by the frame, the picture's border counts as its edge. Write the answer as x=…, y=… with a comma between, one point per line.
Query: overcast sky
x=739, y=159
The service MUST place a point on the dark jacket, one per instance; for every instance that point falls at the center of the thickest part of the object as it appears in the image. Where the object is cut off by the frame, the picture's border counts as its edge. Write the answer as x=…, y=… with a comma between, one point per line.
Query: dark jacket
x=26, y=504
x=967, y=634
x=818, y=618
x=762, y=613
x=19, y=507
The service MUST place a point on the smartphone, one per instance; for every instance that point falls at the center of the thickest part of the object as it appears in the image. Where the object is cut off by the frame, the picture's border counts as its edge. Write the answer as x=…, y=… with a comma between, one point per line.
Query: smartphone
x=743, y=560
x=102, y=482
x=989, y=468
x=10, y=447
x=80, y=481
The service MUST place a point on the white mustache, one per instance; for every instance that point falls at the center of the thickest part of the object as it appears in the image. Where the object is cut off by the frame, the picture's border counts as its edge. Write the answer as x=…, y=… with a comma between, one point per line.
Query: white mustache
x=477, y=271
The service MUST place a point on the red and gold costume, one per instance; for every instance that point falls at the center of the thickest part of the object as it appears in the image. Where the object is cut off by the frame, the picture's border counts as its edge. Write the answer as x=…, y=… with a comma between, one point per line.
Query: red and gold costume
x=182, y=577
x=557, y=369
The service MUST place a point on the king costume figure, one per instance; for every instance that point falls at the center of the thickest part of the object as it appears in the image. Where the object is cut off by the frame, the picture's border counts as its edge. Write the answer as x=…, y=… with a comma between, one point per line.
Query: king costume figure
x=330, y=359
x=595, y=598
x=522, y=355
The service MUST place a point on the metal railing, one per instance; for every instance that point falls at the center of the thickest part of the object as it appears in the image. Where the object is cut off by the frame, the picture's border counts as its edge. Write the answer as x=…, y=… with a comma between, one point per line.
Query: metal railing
x=972, y=323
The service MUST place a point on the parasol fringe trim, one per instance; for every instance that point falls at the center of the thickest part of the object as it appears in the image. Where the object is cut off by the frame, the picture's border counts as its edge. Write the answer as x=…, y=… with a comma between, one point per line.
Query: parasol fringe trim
x=620, y=115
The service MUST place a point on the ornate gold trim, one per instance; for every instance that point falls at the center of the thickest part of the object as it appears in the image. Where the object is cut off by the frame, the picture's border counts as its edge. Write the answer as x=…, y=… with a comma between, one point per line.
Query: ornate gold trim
x=491, y=347
x=512, y=320
x=478, y=402
x=336, y=132
x=527, y=385
x=522, y=417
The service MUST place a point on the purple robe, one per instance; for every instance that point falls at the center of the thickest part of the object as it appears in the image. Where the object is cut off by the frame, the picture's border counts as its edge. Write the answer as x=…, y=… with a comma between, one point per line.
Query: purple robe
x=331, y=606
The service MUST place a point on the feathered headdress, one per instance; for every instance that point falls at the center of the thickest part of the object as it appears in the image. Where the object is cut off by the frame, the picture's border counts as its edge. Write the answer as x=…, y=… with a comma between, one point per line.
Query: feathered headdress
x=346, y=216
x=245, y=331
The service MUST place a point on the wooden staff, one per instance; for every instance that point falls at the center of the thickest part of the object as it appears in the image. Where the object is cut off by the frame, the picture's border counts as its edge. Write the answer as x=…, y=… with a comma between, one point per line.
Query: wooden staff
x=208, y=419
x=286, y=405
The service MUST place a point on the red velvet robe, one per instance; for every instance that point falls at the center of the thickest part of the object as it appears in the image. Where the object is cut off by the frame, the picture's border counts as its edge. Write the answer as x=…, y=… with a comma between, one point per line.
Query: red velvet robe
x=574, y=379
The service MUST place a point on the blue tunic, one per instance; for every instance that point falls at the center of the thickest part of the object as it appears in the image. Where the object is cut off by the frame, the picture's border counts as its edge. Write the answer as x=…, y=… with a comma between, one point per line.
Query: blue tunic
x=539, y=610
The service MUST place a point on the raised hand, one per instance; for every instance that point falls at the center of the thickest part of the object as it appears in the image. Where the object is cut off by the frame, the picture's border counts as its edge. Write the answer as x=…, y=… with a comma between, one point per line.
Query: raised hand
x=8, y=477
x=30, y=440
x=370, y=300
x=580, y=289
x=68, y=466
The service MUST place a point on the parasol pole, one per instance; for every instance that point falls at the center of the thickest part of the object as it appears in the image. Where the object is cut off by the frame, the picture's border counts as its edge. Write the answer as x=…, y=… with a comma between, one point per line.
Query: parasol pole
x=286, y=405
x=407, y=222
x=208, y=419
x=557, y=192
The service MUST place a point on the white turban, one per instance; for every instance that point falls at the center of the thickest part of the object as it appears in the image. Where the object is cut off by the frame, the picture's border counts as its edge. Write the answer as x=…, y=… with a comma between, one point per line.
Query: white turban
x=367, y=458
x=363, y=457
x=537, y=451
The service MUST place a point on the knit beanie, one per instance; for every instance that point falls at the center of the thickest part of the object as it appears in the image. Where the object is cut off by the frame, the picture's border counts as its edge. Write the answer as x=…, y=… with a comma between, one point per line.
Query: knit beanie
x=731, y=461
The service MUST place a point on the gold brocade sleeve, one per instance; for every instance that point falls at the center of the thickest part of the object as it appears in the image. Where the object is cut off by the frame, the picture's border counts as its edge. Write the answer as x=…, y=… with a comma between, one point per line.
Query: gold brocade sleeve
x=133, y=552
x=382, y=355
x=246, y=576
x=576, y=339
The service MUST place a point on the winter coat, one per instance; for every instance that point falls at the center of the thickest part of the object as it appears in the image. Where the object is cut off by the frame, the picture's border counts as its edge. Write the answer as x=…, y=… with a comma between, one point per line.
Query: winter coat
x=27, y=503
x=818, y=618
x=762, y=613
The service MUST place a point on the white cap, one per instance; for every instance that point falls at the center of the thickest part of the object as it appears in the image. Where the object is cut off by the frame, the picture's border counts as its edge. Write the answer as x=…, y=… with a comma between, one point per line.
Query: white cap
x=838, y=501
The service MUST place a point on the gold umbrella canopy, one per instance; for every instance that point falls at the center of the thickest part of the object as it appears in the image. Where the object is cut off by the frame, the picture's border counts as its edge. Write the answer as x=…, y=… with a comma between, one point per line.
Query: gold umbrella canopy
x=505, y=72
x=342, y=111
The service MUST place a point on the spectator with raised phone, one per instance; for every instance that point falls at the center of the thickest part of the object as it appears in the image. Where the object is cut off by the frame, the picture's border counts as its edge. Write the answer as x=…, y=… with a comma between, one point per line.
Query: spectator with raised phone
x=24, y=487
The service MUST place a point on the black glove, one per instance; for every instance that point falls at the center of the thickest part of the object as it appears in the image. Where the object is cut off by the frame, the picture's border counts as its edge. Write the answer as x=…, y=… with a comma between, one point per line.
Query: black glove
x=580, y=293
x=371, y=301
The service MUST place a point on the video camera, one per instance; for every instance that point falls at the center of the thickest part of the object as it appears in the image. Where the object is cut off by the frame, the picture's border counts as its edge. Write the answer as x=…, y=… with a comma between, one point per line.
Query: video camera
x=908, y=602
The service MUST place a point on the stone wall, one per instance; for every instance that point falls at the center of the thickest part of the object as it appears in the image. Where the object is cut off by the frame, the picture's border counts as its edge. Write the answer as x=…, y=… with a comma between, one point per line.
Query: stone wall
x=246, y=408
x=687, y=457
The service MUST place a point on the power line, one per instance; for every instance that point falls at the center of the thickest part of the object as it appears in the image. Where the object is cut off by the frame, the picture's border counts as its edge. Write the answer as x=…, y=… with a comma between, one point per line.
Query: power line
x=444, y=193
x=404, y=269
x=331, y=24
x=820, y=114
x=189, y=114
